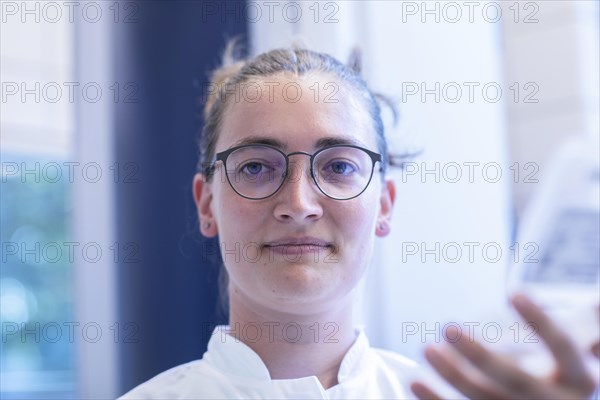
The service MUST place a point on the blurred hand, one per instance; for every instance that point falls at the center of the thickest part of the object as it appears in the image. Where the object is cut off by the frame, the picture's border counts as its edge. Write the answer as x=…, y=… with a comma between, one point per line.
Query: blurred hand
x=495, y=377
x=596, y=346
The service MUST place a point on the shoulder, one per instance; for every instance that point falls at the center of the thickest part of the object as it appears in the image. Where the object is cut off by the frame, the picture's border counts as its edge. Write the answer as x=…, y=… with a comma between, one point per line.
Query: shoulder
x=393, y=366
x=393, y=359
x=389, y=365
x=179, y=382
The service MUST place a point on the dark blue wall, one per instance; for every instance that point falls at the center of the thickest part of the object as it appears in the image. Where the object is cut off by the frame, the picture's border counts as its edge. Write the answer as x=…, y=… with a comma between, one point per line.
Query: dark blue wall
x=168, y=284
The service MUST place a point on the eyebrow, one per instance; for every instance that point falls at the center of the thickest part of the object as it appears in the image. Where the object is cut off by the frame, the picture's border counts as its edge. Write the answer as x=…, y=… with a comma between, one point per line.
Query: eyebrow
x=337, y=140
x=319, y=144
x=259, y=140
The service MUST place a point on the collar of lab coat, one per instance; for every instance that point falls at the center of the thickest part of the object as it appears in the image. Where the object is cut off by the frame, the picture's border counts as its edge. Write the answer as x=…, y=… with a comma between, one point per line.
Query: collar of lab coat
x=232, y=356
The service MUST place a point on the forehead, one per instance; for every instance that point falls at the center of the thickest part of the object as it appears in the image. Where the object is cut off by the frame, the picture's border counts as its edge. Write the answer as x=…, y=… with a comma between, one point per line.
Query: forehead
x=300, y=113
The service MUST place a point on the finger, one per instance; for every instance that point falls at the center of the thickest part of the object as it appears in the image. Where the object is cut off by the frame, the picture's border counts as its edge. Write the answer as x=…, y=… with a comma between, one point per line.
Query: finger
x=572, y=369
x=596, y=346
x=423, y=392
x=458, y=377
x=596, y=349
x=501, y=371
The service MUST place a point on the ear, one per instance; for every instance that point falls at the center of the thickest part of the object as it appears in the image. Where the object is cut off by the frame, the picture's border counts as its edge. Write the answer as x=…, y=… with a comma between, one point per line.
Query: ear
x=386, y=206
x=203, y=196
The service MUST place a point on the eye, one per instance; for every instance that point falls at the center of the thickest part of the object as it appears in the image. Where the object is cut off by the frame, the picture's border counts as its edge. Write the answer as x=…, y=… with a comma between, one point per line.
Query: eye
x=252, y=168
x=258, y=169
x=340, y=167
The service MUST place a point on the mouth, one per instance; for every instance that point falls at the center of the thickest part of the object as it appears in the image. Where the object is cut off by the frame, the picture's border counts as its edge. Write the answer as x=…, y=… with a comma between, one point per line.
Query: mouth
x=299, y=245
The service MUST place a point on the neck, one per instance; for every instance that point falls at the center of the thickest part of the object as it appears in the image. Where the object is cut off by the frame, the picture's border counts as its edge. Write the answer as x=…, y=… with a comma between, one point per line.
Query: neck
x=293, y=345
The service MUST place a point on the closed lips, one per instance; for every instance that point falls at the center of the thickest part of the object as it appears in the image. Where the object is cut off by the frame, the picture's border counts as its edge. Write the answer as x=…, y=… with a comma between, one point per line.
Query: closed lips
x=305, y=241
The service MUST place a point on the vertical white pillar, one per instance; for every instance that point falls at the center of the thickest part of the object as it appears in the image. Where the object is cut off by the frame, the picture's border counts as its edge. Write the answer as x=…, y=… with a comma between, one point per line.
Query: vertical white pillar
x=94, y=217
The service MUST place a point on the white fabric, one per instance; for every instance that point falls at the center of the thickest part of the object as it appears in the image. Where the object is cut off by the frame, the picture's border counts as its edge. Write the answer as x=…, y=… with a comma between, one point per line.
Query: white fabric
x=231, y=370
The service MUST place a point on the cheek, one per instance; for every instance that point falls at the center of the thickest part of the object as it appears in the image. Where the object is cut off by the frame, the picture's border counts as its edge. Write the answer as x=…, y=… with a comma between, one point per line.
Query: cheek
x=364, y=213
x=231, y=212
x=356, y=223
x=239, y=220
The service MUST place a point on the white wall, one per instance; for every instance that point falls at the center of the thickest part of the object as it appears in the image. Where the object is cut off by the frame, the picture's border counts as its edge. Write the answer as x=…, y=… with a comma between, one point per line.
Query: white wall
x=557, y=52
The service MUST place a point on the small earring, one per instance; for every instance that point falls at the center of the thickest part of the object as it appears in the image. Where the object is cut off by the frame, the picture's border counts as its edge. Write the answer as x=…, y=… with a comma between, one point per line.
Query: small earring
x=206, y=225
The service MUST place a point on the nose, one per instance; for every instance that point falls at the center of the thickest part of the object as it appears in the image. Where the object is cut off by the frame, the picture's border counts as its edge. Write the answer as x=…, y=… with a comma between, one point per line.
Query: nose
x=298, y=199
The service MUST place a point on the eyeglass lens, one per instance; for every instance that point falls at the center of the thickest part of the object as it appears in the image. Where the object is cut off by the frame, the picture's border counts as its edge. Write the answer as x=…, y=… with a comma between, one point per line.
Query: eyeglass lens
x=258, y=171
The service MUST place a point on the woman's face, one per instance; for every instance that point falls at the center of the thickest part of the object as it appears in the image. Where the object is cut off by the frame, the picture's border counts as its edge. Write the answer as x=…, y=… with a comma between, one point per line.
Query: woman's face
x=261, y=240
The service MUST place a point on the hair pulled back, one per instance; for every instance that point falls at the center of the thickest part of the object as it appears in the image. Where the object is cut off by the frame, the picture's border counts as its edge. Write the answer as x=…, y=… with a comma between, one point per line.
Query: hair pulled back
x=293, y=60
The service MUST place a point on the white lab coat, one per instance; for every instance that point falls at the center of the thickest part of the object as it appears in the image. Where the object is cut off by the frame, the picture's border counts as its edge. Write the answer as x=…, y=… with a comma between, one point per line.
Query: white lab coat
x=231, y=370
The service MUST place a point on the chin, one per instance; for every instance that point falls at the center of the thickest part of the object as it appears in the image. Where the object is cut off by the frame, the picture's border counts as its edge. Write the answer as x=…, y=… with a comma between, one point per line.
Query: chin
x=305, y=290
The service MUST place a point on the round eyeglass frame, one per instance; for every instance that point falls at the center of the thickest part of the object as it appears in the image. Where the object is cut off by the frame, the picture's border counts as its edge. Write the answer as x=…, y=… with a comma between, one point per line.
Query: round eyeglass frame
x=222, y=156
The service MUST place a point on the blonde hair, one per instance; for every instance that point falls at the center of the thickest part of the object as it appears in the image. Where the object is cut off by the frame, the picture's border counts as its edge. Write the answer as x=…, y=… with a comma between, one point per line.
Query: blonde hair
x=236, y=71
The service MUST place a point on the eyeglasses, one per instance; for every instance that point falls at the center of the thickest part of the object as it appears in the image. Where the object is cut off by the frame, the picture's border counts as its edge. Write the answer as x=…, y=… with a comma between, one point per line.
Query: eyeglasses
x=255, y=172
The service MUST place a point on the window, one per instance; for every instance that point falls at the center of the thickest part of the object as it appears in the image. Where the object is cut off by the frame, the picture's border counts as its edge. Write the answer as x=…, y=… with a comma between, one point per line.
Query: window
x=36, y=301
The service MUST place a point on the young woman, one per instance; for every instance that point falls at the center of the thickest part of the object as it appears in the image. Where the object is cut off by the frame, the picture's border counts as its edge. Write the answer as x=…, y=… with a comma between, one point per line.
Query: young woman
x=293, y=182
